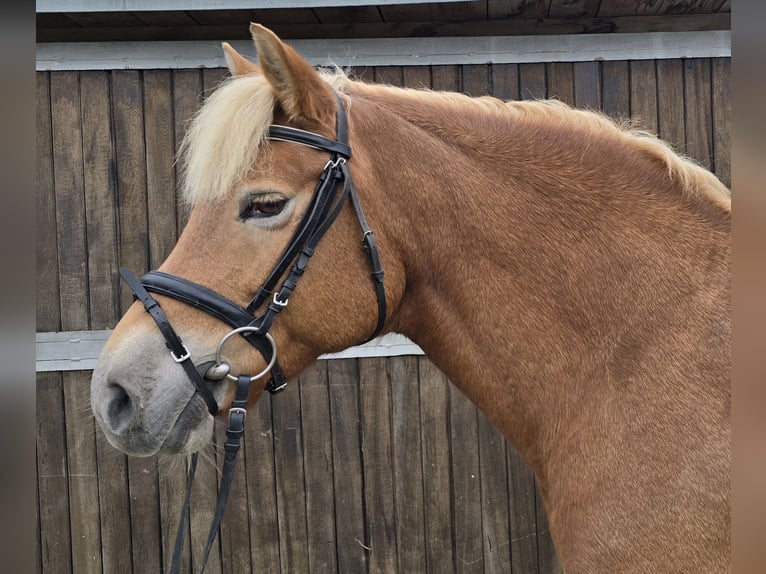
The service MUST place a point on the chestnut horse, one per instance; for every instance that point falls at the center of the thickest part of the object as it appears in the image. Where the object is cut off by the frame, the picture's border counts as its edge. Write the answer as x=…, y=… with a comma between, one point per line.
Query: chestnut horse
x=571, y=276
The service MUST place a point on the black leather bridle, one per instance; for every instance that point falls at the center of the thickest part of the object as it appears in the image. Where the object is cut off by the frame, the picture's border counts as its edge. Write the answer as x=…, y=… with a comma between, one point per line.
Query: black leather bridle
x=335, y=186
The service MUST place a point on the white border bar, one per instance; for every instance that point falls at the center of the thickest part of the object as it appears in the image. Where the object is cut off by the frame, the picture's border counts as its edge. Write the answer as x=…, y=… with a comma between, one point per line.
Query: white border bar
x=395, y=51
x=49, y=6
x=79, y=350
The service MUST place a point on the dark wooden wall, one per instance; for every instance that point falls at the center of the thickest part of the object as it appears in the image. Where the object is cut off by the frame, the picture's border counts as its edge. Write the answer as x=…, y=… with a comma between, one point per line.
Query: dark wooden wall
x=368, y=465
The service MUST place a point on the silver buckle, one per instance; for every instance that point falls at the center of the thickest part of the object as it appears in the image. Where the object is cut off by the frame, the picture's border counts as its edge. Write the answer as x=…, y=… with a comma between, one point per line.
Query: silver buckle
x=238, y=410
x=280, y=302
x=183, y=357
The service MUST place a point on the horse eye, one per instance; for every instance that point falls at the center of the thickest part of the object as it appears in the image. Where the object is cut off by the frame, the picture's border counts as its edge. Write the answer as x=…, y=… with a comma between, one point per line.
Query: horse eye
x=263, y=207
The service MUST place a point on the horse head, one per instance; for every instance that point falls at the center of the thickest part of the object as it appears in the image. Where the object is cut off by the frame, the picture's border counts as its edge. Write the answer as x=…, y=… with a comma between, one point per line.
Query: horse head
x=262, y=197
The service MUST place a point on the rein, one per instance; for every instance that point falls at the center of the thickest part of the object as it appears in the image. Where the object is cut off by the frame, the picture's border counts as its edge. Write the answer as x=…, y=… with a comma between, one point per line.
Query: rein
x=326, y=204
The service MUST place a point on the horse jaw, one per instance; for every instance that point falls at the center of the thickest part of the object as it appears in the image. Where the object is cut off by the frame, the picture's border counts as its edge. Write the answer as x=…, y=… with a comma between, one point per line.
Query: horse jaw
x=143, y=401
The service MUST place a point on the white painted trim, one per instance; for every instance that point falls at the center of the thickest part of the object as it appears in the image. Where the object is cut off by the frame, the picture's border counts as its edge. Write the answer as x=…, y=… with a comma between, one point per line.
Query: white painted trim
x=396, y=51
x=79, y=350
x=48, y=6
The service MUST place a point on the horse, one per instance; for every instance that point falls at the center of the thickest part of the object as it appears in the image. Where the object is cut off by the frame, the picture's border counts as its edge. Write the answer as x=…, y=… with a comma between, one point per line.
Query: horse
x=569, y=274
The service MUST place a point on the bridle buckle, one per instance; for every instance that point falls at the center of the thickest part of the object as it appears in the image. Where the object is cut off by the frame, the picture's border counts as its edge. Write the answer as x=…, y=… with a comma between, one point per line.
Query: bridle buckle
x=183, y=357
x=237, y=410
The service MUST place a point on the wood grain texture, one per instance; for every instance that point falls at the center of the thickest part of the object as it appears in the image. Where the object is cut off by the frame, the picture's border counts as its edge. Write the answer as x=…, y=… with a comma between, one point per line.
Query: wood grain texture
x=353, y=546
x=53, y=492
x=435, y=441
x=160, y=174
x=670, y=104
x=561, y=82
x=84, y=515
x=408, y=472
x=699, y=111
x=587, y=85
x=378, y=461
x=643, y=94
x=100, y=199
x=261, y=488
x=318, y=468
x=505, y=81
x=48, y=306
x=187, y=98
x=615, y=89
x=532, y=81
x=130, y=152
x=496, y=536
x=522, y=513
x=290, y=480
x=466, y=485
x=721, y=78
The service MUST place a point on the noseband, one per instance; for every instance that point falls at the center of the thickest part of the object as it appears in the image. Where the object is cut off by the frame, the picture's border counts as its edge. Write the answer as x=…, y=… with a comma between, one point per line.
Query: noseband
x=335, y=186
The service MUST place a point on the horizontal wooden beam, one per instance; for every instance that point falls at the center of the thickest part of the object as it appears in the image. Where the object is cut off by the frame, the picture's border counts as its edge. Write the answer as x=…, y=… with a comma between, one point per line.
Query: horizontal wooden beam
x=431, y=29
x=49, y=6
x=79, y=350
x=404, y=51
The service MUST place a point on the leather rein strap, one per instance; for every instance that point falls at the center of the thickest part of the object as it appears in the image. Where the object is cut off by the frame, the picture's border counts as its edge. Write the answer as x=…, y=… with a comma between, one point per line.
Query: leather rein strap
x=325, y=206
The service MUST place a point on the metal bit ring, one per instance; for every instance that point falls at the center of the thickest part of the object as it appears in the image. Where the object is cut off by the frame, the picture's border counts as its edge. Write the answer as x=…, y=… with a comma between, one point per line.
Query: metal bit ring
x=248, y=329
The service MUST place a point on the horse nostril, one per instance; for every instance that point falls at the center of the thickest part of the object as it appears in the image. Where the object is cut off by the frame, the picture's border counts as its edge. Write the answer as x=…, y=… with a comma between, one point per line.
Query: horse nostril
x=120, y=411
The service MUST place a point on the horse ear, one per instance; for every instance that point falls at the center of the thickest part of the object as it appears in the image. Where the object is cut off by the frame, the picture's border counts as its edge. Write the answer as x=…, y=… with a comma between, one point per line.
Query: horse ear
x=298, y=87
x=238, y=66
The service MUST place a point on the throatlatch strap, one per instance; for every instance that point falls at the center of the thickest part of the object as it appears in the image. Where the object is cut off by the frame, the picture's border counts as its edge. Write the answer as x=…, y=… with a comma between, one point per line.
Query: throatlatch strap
x=178, y=350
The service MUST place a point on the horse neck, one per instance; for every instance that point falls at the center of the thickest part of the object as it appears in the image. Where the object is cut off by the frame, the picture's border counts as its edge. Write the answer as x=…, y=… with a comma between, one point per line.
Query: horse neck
x=532, y=259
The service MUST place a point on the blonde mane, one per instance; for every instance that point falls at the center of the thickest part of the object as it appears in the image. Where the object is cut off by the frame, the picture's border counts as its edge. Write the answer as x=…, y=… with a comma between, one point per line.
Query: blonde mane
x=230, y=128
x=227, y=133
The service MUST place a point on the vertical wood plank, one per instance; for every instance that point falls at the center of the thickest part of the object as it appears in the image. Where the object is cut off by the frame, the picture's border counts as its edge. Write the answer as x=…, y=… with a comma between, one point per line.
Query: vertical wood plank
x=46, y=248
x=546, y=554
x=466, y=484
x=187, y=98
x=70, y=198
x=388, y=75
x=643, y=94
x=160, y=173
x=56, y=555
x=127, y=112
x=587, y=85
x=475, y=80
x=670, y=104
x=532, y=83
x=615, y=89
x=699, y=110
x=261, y=488
x=505, y=81
x=100, y=192
x=347, y=466
x=561, y=82
x=437, y=492
x=494, y=499
x=416, y=77
x=318, y=468
x=408, y=471
x=378, y=461
x=522, y=513
x=83, y=480
x=291, y=496
x=445, y=78
x=721, y=79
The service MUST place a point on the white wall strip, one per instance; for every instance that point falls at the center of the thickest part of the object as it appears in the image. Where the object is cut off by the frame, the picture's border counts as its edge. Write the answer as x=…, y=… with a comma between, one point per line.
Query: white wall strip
x=47, y=6
x=395, y=51
x=79, y=350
